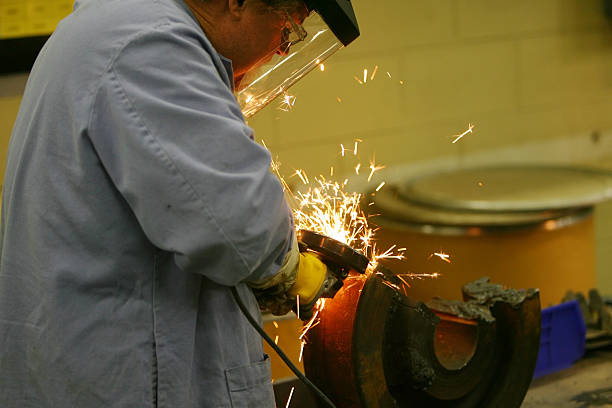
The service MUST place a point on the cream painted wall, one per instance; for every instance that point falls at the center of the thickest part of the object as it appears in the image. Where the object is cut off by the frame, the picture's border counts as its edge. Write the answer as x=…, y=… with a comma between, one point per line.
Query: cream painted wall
x=520, y=71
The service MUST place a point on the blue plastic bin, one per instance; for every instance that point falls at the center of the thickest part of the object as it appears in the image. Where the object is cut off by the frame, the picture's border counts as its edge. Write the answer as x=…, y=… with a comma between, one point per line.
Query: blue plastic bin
x=563, y=338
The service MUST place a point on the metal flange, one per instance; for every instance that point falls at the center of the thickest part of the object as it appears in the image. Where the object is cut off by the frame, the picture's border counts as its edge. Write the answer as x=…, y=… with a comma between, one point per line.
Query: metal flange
x=375, y=347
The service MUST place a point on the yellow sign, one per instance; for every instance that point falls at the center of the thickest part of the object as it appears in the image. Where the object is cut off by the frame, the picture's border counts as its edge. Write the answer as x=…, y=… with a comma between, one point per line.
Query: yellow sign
x=25, y=18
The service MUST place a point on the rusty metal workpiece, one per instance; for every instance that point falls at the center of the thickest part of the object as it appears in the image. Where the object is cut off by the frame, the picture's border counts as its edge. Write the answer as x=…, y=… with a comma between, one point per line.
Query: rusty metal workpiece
x=375, y=347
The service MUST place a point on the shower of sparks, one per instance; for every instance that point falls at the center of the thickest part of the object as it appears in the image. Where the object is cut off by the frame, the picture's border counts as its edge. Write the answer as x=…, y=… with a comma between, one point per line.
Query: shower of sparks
x=374, y=73
x=287, y=103
x=302, y=344
x=326, y=208
x=290, y=396
x=275, y=324
x=442, y=256
x=469, y=130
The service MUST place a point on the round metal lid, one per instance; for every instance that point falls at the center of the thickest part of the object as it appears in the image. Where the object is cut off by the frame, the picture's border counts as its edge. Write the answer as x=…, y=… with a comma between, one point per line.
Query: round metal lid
x=510, y=188
x=390, y=205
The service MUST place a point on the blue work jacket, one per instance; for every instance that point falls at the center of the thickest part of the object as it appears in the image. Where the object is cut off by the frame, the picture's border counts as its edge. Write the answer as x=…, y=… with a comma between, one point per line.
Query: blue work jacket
x=134, y=198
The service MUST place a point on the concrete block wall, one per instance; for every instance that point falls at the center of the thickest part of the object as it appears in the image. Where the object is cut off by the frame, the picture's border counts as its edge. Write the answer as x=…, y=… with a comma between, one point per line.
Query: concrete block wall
x=521, y=71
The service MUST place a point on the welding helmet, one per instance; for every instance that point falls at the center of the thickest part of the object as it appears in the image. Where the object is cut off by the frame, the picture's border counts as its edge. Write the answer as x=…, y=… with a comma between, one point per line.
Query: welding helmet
x=329, y=26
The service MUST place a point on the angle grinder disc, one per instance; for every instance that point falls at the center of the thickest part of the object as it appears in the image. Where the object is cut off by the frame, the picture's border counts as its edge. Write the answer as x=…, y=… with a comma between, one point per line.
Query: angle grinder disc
x=334, y=251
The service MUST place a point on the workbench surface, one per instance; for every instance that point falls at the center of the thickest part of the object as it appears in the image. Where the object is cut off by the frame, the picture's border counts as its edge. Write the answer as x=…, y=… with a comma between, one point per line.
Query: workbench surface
x=588, y=383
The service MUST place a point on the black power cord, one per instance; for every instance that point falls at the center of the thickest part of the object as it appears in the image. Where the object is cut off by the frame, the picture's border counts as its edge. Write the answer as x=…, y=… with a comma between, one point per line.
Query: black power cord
x=280, y=352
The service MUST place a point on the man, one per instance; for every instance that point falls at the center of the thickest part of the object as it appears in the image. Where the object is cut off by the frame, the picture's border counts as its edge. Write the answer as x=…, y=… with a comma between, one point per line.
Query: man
x=134, y=199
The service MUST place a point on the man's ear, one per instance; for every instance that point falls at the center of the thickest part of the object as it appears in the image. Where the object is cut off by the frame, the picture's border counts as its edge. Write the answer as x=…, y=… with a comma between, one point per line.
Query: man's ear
x=236, y=7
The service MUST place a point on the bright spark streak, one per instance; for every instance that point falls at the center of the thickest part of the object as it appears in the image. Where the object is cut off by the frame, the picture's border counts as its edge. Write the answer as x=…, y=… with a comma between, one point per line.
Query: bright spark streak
x=388, y=74
x=442, y=256
x=343, y=149
x=297, y=306
x=391, y=285
x=358, y=80
x=302, y=175
x=322, y=67
x=420, y=275
x=290, y=396
x=276, y=340
x=355, y=148
x=403, y=280
x=365, y=75
x=380, y=186
x=331, y=171
x=373, y=169
x=275, y=324
x=310, y=324
x=458, y=137
x=287, y=103
x=339, y=99
x=301, y=350
x=357, y=168
x=374, y=73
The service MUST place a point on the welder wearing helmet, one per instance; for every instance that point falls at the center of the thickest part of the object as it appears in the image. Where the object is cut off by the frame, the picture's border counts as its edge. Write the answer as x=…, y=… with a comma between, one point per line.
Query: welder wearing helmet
x=135, y=198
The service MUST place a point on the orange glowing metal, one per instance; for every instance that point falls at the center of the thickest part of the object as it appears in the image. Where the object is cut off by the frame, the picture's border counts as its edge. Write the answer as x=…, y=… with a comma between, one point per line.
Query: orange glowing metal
x=469, y=130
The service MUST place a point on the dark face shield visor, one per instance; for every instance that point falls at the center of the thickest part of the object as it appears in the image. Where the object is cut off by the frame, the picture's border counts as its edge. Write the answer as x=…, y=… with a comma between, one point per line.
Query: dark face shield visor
x=329, y=27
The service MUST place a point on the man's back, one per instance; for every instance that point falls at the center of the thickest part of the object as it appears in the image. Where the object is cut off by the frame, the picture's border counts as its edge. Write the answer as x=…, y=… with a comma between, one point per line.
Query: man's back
x=101, y=207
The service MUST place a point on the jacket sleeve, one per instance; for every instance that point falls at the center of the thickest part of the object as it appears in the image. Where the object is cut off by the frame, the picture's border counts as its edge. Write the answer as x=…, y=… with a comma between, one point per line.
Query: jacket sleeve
x=170, y=135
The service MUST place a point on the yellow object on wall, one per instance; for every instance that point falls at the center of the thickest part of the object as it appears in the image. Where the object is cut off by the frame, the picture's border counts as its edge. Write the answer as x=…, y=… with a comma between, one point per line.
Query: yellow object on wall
x=26, y=18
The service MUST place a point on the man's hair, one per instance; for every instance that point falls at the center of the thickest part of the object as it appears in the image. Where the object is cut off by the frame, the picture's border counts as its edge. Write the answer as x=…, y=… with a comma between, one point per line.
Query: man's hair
x=280, y=4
